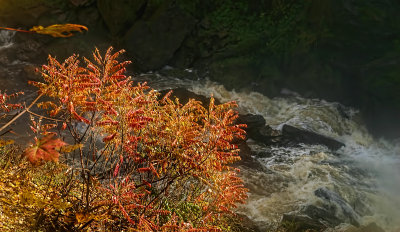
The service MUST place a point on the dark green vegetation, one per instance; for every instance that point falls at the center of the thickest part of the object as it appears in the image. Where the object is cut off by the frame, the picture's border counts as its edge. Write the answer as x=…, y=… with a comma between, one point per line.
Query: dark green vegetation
x=346, y=51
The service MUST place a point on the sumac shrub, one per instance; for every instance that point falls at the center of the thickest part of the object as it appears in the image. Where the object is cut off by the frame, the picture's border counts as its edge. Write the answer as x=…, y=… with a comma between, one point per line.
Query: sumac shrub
x=138, y=161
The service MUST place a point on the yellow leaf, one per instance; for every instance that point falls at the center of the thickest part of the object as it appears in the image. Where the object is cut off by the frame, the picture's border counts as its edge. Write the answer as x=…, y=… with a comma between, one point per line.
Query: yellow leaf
x=5, y=142
x=80, y=217
x=59, y=30
x=26, y=197
x=69, y=148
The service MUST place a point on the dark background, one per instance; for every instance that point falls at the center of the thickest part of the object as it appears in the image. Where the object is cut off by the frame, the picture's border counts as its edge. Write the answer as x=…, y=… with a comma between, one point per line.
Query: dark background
x=343, y=50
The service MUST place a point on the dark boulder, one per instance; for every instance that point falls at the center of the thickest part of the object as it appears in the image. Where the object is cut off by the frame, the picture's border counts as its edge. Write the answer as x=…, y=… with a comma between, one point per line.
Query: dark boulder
x=246, y=157
x=295, y=135
x=333, y=211
x=22, y=13
x=337, y=206
x=119, y=15
x=371, y=227
x=153, y=41
x=325, y=214
x=244, y=224
x=300, y=223
x=254, y=122
x=184, y=95
x=257, y=130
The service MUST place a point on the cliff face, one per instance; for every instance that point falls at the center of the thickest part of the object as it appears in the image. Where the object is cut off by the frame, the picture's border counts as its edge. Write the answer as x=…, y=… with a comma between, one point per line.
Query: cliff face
x=337, y=50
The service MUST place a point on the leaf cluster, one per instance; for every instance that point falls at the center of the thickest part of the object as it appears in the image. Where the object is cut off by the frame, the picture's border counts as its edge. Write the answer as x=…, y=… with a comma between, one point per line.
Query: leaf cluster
x=136, y=161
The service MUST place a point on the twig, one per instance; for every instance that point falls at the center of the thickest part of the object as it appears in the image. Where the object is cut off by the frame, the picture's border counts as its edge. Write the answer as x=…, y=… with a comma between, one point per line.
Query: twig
x=41, y=116
x=13, y=29
x=20, y=114
x=5, y=132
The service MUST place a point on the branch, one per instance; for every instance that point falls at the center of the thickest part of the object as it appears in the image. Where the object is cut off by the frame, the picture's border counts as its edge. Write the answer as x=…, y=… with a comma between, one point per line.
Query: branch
x=23, y=112
x=13, y=29
x=41, y=116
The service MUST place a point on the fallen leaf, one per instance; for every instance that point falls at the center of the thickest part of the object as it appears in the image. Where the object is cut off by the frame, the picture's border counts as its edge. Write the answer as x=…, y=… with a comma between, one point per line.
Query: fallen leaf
x=45, y=149
x=59, y=30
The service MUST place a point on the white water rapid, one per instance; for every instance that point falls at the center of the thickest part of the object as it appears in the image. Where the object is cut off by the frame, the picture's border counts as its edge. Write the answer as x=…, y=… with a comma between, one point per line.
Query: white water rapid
x=360, y=181
x=6, y=39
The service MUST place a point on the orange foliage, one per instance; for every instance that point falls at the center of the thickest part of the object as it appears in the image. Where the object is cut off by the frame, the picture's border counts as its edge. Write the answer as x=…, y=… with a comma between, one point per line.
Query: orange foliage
x=4, y=105
x=168, y=163
x=55, y=30
x=45, y=149
x=59, y=30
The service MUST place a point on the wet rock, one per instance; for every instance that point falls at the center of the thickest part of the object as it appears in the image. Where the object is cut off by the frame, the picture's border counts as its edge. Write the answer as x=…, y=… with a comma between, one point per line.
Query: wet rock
x=22, y=13
x=119, y=15
x=245, y=224
x=296, y=135
x=246, y=157
x=254, y=122
x=31, y=72
x=361, y=207
x=300, y=223
x=153, y=41
x=337, y=207
x=325, y=215
x=372, y=227
x=184, y=95
x=257, y=130
x=90, y=17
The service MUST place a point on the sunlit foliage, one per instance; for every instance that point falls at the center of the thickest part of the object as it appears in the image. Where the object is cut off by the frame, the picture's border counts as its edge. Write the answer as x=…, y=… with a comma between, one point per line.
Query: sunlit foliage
x=137, y=160
x=55, y=30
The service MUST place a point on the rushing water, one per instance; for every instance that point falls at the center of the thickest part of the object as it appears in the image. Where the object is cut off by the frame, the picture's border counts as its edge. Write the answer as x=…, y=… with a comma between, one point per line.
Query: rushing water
x=361, y=181
x=6, y=39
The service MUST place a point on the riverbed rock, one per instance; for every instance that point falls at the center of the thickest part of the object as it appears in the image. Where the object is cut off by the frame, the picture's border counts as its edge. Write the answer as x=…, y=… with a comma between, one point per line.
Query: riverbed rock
x=371, y=227
x=22, y=13
x=336, y=207
x=119, y=15
x=184, y=95
x=245, y=224
x=153, y=41
x=296, y=135
x=257, y=130
x=246, y=157
x=254, y=122
x=300, y=223
x=324, y=214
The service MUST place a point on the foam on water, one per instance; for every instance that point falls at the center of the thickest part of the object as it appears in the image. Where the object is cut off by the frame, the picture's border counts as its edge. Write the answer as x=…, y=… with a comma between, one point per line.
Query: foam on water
x=6, y=39
x=362, y=179
x=365, y=173
x=327, y=118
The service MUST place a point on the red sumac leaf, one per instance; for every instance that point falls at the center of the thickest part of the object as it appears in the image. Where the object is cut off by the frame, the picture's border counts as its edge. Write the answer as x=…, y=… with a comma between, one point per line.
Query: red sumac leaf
x=142, y=170
x=109, y=138
x=146, y=183
x=64, y=126
x=116, y=170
